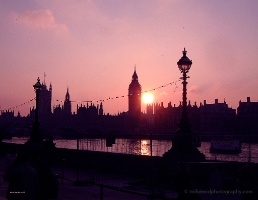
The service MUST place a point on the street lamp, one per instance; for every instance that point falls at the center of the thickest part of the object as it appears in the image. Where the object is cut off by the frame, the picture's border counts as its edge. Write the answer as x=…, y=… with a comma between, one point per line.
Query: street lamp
x=183, y=138
x=182, y=145
x=35, y=132
x=37, y=88
x=184, y=65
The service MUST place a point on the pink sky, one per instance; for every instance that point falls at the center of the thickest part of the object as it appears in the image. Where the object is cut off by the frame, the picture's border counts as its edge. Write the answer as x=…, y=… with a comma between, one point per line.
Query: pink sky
x=92, y=46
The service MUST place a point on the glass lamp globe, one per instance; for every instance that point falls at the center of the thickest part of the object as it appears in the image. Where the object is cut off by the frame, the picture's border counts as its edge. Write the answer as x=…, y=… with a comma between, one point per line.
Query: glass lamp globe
x=184, y=64
x=37, y=86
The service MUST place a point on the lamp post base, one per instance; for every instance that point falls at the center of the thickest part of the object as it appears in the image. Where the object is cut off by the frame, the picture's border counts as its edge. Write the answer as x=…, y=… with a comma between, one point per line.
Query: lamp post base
x=179, y=158
x=182, y=149
x=184, y=155
x=35, y=135
x=35, y=142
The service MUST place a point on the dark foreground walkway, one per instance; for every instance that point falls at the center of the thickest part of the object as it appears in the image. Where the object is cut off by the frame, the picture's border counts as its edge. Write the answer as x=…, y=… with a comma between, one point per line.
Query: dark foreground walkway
x=115, y=190
x=90, y=191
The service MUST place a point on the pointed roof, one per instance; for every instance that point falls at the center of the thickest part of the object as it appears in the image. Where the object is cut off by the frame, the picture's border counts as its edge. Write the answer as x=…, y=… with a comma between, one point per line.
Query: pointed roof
x=135, y=76
x=134, y=85
x=67, y=95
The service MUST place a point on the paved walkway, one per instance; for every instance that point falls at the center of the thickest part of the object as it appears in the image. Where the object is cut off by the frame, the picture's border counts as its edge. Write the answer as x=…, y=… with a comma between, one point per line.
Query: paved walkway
x=67, y=190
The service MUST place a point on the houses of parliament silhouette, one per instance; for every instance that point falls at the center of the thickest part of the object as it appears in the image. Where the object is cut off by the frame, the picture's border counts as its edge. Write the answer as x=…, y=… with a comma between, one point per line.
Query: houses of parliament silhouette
x=206, y=119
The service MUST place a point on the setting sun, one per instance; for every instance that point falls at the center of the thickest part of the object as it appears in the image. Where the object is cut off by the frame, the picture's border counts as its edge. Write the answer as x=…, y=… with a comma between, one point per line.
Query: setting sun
x=147, y=98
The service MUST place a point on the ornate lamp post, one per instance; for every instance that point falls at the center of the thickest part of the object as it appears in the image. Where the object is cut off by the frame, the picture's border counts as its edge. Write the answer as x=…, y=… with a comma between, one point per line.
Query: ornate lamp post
x=183, y=138
x=37, y=88
x=184, y=65
x=182, y=147
x=36, y=132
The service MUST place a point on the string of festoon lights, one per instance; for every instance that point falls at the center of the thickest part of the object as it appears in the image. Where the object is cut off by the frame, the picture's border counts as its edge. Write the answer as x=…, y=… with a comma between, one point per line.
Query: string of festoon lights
x=97, y=101
x=17, y=106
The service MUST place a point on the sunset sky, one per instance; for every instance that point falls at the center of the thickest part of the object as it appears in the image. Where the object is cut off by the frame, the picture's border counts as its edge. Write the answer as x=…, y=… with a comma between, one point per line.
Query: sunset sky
x=92, y=46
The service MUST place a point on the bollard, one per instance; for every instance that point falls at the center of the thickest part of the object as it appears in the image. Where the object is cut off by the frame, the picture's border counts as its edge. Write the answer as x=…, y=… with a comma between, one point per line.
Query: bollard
x=63, y=171
x=101, y=192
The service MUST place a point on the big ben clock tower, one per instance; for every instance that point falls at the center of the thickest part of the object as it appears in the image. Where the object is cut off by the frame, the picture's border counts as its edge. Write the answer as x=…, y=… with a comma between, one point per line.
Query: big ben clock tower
x=134, y=98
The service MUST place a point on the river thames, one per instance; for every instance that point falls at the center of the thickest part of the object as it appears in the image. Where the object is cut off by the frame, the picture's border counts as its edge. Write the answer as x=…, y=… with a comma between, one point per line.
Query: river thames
x=143, y=147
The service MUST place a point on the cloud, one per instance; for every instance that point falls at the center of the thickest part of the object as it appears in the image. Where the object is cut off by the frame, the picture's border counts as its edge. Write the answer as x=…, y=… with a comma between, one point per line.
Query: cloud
x=203, y=89
x=193, y=89
x=39, y=19
x=163, y=94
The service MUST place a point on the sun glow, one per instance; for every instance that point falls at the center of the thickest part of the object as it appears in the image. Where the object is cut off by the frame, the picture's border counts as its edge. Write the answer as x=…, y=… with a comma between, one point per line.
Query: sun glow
x=147, y=98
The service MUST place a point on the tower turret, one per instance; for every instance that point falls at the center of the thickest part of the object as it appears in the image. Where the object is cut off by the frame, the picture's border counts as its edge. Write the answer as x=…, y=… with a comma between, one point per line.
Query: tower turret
x=101, y=109
x=67, y=104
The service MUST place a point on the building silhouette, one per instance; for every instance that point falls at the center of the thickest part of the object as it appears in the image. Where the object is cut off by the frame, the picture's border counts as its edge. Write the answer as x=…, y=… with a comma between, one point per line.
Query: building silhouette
x=45, y=99
x=88, y=110
x=64, y=110
x=169, y=117
x=45, y=108
x=217, y=119
x=247, y=119
x=134, y=99
x=67, y=104
x=207, y=119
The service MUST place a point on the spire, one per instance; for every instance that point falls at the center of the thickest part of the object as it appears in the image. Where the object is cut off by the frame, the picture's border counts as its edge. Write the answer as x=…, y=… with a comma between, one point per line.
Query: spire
x=135, y=76
x=67, y=96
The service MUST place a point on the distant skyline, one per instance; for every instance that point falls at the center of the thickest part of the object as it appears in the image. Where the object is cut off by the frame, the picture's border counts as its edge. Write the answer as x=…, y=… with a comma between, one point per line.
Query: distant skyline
x=92, y=46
